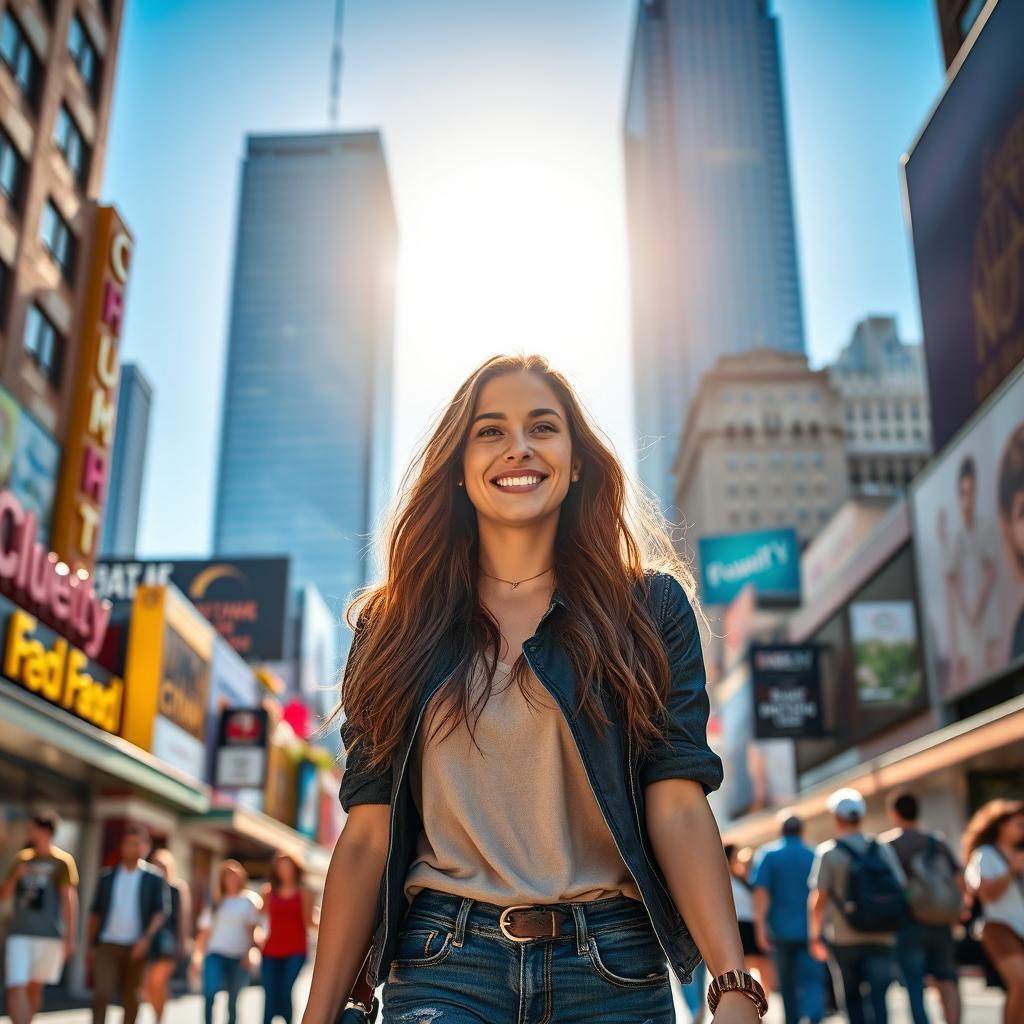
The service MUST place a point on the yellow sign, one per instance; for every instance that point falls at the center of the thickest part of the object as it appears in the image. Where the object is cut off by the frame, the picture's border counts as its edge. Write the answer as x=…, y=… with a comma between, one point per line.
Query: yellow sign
x=170, y=647
x=59, y=674
x=89, y=438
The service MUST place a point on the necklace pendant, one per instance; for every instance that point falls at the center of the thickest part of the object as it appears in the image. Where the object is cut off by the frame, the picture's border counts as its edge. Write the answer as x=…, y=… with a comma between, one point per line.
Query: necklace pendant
x=516, y=584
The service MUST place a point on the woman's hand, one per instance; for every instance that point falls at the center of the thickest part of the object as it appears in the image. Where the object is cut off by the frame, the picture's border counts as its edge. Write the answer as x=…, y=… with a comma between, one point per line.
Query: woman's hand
x=736, y=1008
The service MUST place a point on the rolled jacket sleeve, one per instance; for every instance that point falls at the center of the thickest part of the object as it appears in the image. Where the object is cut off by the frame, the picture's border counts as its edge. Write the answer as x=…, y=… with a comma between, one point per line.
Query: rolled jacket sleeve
x=684, y=753
x=359, y=786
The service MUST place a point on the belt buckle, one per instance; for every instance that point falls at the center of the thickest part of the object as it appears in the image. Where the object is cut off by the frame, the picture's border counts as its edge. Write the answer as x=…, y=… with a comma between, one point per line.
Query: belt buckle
x=503, y=923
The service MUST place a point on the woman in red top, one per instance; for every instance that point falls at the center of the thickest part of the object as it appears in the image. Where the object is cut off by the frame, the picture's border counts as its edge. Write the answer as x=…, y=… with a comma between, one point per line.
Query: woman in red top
x=288, y=905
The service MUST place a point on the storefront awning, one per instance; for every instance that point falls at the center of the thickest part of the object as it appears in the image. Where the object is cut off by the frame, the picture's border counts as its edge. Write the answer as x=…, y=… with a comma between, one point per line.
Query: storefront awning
x=992, y=729
x=37, y=731
x=266, y=831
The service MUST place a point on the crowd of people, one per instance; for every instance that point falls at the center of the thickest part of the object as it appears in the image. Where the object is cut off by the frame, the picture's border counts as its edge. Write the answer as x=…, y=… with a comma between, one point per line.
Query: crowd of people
x=139, y=929
x=831, y=928
x=827, y=928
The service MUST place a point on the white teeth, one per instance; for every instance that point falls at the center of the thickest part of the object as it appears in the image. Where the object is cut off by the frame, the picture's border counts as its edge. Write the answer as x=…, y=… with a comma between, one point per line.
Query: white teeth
x=517, y=481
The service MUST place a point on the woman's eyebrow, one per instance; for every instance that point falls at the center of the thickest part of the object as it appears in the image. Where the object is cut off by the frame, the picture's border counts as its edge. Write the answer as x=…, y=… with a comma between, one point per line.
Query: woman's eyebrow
x=533, y=414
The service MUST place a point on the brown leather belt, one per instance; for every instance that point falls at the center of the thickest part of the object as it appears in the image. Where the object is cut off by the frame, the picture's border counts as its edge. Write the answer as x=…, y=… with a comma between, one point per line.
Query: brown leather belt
x=525, y=921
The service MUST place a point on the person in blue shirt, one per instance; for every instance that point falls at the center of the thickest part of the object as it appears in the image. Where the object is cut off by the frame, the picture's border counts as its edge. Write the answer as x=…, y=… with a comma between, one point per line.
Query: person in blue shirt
x=780, y=877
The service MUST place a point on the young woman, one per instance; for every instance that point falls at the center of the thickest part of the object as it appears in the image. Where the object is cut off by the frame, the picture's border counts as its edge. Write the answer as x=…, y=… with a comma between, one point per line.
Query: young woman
x=994, y=855
x=226, y=938
x=288, y=907
x=170, y=944
x=528, y=833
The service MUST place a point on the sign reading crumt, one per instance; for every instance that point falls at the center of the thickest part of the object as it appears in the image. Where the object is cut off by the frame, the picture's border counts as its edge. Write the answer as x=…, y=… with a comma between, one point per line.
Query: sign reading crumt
x=37, y=578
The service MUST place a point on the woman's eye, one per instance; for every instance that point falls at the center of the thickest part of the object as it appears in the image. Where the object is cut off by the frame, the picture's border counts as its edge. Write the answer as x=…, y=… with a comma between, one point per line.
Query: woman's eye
x=545, y=426
x=485, y=432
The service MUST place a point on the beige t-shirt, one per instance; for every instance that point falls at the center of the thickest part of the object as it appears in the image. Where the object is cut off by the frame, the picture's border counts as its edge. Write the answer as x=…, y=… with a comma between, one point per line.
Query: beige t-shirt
x=514, y=821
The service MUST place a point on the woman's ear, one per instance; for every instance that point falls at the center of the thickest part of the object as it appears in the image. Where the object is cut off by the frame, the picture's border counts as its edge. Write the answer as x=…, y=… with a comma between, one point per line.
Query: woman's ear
x=577, y=469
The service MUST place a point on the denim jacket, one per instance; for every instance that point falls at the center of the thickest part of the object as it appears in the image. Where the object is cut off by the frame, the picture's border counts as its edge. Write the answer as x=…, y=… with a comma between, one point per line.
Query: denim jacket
x=616, y=774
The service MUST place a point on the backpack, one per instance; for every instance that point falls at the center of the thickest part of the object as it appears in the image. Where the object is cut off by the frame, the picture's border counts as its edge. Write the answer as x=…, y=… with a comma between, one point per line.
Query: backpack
x=874, y=900
x=934, y=894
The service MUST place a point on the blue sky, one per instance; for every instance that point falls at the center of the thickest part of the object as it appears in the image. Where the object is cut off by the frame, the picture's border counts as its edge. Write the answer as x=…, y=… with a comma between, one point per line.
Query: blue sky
x=502, y=128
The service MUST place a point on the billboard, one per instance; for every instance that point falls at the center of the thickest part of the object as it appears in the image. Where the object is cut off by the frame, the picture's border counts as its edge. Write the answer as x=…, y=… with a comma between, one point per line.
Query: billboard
x=29, y=459
x=964, y=180
x=769, y=559
x=885, y=653
x=241, y=757
x=968, y=513
x=787, y=691
x=85, y=469
x=167, y=671
x=245, y=599
x=232, y=685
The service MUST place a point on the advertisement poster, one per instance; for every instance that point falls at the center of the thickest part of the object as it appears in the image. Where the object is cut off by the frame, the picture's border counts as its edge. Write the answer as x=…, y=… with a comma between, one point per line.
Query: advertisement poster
x=968, y=510
x=965, y=190
x=241, y=761
x=787, y=691
x=768, y=559
x=885, y=653
x=29, y=460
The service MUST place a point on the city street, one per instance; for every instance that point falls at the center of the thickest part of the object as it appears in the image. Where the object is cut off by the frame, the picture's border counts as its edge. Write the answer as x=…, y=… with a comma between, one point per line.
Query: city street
x=981, y=1006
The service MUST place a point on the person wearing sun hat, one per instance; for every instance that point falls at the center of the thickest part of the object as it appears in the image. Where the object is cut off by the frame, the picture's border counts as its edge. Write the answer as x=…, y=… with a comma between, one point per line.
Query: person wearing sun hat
x=858, y=959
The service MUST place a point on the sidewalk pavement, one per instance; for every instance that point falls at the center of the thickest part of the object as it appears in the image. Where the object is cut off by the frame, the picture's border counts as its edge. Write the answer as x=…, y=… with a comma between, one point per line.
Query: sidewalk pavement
x=981, y=1006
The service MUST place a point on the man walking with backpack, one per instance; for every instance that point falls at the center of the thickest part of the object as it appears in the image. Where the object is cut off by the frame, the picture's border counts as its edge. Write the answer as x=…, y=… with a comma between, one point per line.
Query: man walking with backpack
x=857, y=903
x=924, y=946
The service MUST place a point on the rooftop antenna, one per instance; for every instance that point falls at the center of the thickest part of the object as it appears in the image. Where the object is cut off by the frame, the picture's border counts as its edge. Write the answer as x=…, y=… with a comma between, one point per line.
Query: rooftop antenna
x=339, y=18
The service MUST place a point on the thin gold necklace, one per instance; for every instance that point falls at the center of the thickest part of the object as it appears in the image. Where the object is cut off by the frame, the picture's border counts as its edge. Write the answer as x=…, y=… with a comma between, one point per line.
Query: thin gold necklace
x=515, y=583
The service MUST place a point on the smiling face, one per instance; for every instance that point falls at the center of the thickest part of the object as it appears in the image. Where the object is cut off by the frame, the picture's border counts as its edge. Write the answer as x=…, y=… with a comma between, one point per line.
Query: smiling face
x=518, y=463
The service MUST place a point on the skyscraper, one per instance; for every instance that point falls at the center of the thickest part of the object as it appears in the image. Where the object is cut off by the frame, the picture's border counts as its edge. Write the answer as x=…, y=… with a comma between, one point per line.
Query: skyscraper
x=305, y=442
x=712, y=239
x=127, y=464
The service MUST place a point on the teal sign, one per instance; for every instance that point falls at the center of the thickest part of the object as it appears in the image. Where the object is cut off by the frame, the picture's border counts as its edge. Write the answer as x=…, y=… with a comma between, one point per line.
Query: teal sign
x=769, y=559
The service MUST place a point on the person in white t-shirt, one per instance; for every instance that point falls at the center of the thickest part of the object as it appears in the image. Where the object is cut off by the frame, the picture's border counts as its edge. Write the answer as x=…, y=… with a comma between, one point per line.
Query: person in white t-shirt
x=226, y=938
x=994, y=852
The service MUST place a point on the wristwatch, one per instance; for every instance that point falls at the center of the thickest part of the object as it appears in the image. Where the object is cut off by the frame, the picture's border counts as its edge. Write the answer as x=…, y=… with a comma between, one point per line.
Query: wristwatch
x=738, y=981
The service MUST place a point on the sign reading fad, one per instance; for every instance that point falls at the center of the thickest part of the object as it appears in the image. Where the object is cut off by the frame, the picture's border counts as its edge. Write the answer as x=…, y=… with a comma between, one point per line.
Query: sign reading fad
x=768, y=559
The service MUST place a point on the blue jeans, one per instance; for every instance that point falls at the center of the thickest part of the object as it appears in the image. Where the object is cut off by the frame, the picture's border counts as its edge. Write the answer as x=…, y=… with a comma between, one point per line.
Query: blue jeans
x=222, y=974
x=923, y=949
x=604, y=966
x=279, y=974
x=857, y=967
x=802, y=981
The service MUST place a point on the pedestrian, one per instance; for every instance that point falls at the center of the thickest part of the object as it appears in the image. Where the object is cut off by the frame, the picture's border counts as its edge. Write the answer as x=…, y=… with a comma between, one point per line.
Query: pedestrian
x=857, y=902
x=755, y=955
x=226, y=937
x=525, y=728
x=993, y=849
x=171, y=942
x=131, y=903
x=288, y=907
x=925, y=946
x=781, y=871
x=44, y=883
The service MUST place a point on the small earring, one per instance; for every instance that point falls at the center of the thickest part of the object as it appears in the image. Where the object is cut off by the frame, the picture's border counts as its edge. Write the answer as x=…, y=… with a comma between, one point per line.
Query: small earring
x=460, y=483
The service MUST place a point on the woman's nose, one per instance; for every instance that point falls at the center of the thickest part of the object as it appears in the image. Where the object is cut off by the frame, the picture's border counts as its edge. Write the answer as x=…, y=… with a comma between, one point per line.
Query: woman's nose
x=519, y=447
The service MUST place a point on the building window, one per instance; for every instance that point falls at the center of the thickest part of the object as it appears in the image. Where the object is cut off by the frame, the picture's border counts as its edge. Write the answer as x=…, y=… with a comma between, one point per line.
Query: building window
x=84, y=54
x=812, y=395
x=753, y=517
x=798, y=460
x=12, y=170
x=818, y=460
x=748, y=397
x=915, y=411
x=797, y=430
x=803, y=514
x=72, y=145
x=883, y=411
x=44, y=344
x=800, y=488
x=813, y=429
x=865, y=411
x=20, y=58
x=897, y=410
x=778, y=460
x=58, y=239
x=732, y=463
x=751, y=490
x=823, y=515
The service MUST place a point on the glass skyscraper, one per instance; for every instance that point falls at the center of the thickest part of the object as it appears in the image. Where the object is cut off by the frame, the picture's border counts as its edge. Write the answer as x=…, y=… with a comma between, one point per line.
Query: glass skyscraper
x=712, y=240
x=306, y=434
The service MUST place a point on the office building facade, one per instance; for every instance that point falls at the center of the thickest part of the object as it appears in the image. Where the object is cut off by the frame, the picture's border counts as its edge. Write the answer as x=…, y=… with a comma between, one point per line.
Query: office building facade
x=710, y=208
x=305, y=441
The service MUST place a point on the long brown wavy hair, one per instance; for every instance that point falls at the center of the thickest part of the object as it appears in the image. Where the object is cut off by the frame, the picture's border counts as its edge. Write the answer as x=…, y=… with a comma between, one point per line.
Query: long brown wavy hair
x=983, y=828
x=609, y=534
